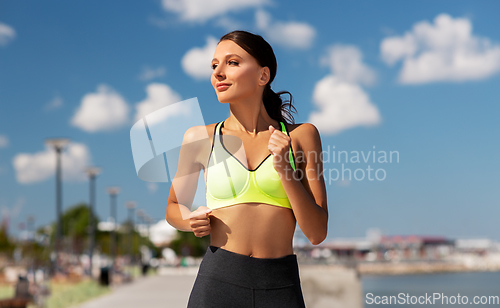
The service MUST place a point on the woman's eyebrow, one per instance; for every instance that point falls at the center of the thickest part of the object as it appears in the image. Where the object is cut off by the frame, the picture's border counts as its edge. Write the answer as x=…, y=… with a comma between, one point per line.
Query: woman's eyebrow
x=228, y=56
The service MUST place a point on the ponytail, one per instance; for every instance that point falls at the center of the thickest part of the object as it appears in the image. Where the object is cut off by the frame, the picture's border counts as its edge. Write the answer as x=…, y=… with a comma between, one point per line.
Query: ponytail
x=276, y=107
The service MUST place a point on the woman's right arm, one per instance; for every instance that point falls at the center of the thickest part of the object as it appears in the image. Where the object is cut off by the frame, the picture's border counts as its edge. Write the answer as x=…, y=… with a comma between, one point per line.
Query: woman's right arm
x=183, y=189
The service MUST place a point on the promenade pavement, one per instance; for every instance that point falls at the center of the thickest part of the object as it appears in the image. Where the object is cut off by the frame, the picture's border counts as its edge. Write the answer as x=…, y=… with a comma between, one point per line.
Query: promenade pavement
x=323, y=287
x=169, y=289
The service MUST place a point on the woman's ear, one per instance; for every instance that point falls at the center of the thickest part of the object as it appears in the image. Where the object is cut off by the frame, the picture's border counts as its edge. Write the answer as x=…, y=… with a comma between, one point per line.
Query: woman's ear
x=265, y=76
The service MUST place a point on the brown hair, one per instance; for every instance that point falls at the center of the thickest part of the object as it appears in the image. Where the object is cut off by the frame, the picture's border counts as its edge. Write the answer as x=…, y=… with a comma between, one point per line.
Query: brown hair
x=260, y=49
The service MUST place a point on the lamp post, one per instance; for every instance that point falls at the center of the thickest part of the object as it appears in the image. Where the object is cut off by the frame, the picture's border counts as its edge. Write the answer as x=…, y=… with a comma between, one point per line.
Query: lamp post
x=58, y=144
x=31, y=228
x=31, y=242
x=144, y=237
x=146, y=219
x=92, y=173
x=113, y=191
x=141, y=215
x=131, y=205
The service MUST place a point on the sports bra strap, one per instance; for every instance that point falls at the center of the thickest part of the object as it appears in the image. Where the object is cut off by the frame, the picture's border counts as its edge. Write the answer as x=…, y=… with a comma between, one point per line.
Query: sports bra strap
x=290, y=155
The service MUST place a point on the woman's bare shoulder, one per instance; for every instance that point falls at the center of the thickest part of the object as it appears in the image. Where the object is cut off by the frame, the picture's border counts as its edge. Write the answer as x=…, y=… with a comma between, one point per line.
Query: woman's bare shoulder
x=199, y=132
x=303, y=130
x=197, y=142
x=306, y=136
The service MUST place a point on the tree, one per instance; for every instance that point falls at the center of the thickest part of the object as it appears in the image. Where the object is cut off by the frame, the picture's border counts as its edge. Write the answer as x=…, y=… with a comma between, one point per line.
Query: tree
x=75, y=227
x=186, y=243
x=6, y=246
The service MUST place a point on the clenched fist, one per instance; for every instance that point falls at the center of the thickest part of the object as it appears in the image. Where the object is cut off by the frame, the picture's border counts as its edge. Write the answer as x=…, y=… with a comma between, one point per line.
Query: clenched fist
x=199, y=221
x=279, y=145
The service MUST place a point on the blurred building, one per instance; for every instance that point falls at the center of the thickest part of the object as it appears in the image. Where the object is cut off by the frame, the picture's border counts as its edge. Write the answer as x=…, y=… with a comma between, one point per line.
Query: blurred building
x=378, y=247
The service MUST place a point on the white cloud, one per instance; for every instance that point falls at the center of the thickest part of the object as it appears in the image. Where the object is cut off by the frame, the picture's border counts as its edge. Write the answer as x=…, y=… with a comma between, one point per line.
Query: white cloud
x=342, y=105
x=196, y=62
x=152, y=187
x=4, y=141
x=346, y=63
x=340, y=100
x=16, y=209
x=37, y=167
x=102, y=111
x=7, y=34
x=158, y=96
x=291, y=34
x=262, y=19
x=443, y=51
x=151, y=73
x=159, y=22
x=202, y=10
x=343, y=183
x=55, y=103
x=229, y=24
x=21, y=201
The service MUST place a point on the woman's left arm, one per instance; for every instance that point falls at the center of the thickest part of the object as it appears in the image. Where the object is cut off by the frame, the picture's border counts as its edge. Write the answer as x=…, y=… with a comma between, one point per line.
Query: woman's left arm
x=305, y=188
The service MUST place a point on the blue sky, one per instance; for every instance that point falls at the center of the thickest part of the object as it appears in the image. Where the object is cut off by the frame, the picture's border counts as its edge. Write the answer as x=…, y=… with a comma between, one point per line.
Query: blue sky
x=417, y=77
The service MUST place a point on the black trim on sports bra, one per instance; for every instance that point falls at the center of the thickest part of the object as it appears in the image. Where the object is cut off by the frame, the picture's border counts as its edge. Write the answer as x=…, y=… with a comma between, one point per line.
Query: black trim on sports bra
x=213, y=142
x=220, y=140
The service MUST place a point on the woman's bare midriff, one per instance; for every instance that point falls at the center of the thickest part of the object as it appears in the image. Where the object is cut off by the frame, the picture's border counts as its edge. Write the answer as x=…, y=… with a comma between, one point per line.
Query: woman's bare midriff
x=253, y=229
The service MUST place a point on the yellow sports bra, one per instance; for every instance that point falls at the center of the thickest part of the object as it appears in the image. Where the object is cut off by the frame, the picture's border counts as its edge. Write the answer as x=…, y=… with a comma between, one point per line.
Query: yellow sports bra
x=229, y=182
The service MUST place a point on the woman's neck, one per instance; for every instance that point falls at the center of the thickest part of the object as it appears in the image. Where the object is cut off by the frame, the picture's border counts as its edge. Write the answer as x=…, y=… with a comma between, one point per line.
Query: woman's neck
x=249, y=119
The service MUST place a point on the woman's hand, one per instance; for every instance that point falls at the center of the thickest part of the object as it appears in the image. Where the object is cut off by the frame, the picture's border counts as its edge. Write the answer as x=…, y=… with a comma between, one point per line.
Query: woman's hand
x=199, y=221
x=279, y=145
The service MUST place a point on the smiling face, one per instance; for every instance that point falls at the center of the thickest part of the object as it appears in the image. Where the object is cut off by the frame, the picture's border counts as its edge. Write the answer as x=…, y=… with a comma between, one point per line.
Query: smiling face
x=233, y=66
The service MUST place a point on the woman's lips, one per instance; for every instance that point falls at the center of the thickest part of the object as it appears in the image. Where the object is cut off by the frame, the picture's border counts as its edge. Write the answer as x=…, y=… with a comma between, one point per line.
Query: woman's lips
x=223, y=87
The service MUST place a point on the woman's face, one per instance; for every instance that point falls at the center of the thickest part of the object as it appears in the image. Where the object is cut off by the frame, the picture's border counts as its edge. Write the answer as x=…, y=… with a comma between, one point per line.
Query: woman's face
x=236, y=68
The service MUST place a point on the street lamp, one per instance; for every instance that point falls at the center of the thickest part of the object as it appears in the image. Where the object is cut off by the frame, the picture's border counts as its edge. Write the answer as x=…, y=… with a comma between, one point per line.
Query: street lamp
x=146, y=220
x=113, y=191
x=142, y=216
x=31, y=228
x=145, y=257
x=92, y=173
x=131, y=205
x=31, y=241
x=58, y=144
x=150, y=221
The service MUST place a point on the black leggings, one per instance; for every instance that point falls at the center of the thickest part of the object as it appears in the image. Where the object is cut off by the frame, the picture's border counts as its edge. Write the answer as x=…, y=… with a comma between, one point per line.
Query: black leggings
x=229, y=279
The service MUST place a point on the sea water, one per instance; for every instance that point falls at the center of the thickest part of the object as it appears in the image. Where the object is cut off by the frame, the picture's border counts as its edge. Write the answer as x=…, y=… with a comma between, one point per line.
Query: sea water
x=431, y=290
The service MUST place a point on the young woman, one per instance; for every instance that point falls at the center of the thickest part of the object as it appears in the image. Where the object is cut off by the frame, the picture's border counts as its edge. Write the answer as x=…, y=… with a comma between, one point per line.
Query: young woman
x=263, y=175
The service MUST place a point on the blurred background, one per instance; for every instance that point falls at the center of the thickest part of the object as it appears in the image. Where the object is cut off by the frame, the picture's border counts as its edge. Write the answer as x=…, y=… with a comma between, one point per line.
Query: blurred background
x=404, y=93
